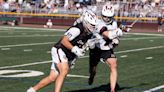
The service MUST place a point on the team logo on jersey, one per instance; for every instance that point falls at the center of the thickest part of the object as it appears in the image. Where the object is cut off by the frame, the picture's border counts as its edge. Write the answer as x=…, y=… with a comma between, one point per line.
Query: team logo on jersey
x=80, y=43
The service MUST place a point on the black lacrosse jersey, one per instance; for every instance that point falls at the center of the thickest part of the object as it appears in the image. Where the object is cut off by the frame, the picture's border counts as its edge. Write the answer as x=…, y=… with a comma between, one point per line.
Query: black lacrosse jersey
x=79, y=41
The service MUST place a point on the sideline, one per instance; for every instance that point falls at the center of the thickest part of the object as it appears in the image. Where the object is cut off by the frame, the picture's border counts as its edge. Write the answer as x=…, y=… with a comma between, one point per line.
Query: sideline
x=154, y=89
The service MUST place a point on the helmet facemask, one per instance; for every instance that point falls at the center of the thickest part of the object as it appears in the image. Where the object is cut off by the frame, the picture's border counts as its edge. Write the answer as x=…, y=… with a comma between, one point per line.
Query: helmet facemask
x=107, y=13
x=89, y=27
x=107, y=19
x=89, y=20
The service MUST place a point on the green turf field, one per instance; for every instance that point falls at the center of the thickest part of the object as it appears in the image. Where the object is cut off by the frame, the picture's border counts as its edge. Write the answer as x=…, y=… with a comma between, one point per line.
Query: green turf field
x=140, y=62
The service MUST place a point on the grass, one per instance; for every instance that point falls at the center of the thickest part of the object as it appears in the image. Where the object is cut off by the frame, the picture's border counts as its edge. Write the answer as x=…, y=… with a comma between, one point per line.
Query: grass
x=140, y=62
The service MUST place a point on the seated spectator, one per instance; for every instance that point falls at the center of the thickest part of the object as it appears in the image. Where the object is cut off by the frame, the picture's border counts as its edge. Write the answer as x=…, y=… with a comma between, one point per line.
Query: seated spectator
x=49, y=24
x=11, y=23
x=159, y=20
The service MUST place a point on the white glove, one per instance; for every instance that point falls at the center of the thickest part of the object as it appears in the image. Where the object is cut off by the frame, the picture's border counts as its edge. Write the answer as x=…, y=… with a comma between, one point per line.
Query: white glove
x=119, y=32
x=115, y=33
x=91, y=43
x=115, y=41
x=77, y=51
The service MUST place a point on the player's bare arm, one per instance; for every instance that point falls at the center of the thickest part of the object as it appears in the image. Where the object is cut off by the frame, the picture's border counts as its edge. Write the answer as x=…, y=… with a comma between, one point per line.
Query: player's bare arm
x=65, y=41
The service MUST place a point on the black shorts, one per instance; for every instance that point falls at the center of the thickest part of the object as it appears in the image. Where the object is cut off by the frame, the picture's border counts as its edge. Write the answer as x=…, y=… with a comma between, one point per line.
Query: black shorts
x=160, y=23
x=159, y=20
x=96, y=54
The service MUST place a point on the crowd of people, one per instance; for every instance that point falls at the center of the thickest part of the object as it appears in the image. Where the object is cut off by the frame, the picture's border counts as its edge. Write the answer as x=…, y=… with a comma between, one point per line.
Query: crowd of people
x=55, y=6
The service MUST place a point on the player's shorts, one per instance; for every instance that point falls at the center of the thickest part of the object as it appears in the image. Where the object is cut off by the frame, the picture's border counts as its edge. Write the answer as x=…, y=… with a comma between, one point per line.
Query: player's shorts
x=95, y=55
x=160, y=21
x=54, y=67
x=58, y=56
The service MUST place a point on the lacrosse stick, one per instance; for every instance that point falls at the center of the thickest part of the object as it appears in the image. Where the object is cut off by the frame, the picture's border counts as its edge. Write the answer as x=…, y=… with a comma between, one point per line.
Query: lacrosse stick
x=143, y=12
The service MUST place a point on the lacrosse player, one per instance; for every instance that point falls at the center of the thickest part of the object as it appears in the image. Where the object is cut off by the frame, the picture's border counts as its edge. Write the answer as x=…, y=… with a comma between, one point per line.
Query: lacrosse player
x=107, y=34
x=66, y=50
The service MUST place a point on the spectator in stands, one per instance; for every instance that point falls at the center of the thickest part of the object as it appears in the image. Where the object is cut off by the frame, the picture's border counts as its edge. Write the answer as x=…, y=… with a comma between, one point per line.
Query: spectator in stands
x=49, y=24
x=160, y=22
x=12, y=23
x=5, y=6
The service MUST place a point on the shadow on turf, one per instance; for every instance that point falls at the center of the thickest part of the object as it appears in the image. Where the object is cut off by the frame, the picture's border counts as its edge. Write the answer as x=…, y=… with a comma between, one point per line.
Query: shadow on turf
x=102, y=88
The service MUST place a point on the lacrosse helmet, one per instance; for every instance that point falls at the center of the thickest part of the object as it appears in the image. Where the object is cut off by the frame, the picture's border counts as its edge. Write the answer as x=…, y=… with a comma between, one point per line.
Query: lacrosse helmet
x=89, y=20
x=107, y=12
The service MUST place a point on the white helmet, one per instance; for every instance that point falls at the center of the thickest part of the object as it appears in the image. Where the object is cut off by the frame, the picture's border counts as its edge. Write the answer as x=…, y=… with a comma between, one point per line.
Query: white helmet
x=89, y=19
x=108, y=10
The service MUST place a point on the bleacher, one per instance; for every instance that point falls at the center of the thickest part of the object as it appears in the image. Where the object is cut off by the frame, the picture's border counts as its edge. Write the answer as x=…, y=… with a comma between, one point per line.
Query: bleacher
x=128, y=11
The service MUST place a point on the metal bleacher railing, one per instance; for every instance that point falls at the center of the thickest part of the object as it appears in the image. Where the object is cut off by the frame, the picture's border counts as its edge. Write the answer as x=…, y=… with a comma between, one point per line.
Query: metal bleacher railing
x=128, y=11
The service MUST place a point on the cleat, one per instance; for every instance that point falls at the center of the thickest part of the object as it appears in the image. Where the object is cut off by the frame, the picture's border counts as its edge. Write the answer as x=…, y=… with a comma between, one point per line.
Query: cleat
x=90, y=80
x=31, y=89
x=91, y=77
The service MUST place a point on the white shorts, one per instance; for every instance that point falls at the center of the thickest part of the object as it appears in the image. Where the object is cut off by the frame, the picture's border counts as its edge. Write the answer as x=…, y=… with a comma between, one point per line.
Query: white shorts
x=58, y=56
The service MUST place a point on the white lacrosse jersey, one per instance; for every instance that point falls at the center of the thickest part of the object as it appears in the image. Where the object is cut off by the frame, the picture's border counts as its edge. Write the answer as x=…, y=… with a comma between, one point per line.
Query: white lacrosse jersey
x=104, y=43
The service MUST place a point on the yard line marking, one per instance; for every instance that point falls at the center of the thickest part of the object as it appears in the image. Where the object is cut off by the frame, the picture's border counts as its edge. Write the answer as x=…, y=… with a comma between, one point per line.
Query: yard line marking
x=28, y=64
x=27, y=50
x=149, y=58
x=123, y=56
x=5, y=48
x=37, y=63
x=78, y=76
x=31, y=44
x=154, y=89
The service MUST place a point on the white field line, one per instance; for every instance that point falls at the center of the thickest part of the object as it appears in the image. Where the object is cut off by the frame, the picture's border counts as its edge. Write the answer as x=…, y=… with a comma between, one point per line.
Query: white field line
x=47, y=29
x=141, y=38
x=78, y=76
x=22, y=65
x=36, y=63
x=31, y=44
x=140, y=49
x=147, y=34
x=33, y=31
x=154, y=89
x=28, y=36
x=3, y=27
